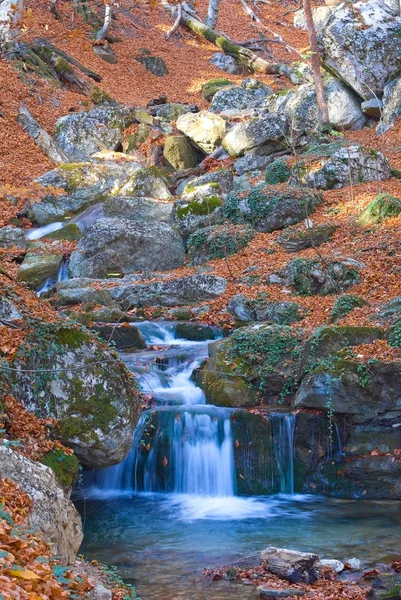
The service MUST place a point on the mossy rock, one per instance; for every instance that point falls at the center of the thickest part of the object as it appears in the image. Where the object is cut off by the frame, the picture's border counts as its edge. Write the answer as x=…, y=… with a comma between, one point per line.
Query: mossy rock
x=295, y=240
x=383, y=207
x=198, y=208
x=179, y=152
x=70, y=233
x=218, y=241
x=153, y=64
x=196, y=332
x=277, y=172
x=124, y=337
x=385, y=586
x=211, y=87
x=345, y=304
x=37, y=268
x=133, y=141
x=65, y=467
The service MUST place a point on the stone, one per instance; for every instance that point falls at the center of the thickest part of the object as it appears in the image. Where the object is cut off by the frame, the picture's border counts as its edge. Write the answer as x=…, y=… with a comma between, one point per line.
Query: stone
x=211, y=87
x=53, y=514
x=354, y=564
x=295, y=240
x=385, y=586
x=391, y=105
x=84, y=184
x=205, y=129
x=217, y=241
x=257, y=136
x=251, y=162
x=153, y=64
x=373, y=107
x=354, y=164
x=143, y=133
x=189, y=216
x=172, y=110
x=272, y=593
x=219, y=182
x=291, y=565
x=320, y=16
x=344, y=304
x=138, y=209
x=38, y=267
x=280, y=313
x=13, y=236
x=277, y=171
x=100, y=593
x=197, y=332
x=383, y=207
x=82, y=134
x=124, y=337
x=106, y=53
x=136, y=246
x=239, y=97
x=70, y=232
x=228, y=64
x=310, y=277
x=358, y=38
x=299, y=105
x=332, y=563
x=179, y=152
x=9, y=311
x=147, y=182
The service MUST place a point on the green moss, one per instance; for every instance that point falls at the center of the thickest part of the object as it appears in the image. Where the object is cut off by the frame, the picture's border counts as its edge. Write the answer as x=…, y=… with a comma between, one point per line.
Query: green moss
x=73, y=338
x=383, y=207
x=202, y=207
x=211, y=87
x=277, y=172
x=344, y=305
x=62, y=66
x=70, y=232
x=99, y=96
x=65, y=466
x=74, y=174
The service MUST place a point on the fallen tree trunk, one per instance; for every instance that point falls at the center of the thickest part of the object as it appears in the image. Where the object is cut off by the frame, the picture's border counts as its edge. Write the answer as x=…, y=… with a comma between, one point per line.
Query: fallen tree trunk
x=243, y=55
x=40, y=136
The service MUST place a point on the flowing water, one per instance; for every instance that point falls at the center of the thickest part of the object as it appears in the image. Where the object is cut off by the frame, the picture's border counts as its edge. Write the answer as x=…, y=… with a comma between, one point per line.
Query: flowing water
x=170, y=508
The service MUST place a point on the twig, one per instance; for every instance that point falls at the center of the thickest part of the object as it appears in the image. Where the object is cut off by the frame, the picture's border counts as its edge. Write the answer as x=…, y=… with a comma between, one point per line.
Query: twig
x=176, y=23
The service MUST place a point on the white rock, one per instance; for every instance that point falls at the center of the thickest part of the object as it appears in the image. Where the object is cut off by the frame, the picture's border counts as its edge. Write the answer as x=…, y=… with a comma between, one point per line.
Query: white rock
x=334, y=564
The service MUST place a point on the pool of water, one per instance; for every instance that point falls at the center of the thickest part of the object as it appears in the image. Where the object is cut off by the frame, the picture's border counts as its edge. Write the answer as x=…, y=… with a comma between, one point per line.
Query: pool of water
x=161, y=543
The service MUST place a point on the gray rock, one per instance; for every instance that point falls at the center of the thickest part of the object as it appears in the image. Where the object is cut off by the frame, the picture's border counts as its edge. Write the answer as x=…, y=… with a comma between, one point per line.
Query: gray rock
x=82, y=134
x=136, y=246
x=172, y=110
x=280, y=313
x=354, y=564
x=137, y=209
x=205, y=129
x=239, y=97
x=391, y=105
x=53, y=514
x=257, y=136
x=320, y=16
x=85, y=184
x=101, y=593
x=13, y=236
x=373, y=107
x=291, y=565
x=106, y=53
x=228, y=64
x=127, y=338
x=179, y=152
x=148, y=182
x=332, y=563
x=295, y=240
x=37, y=267
x=222, y=177
x=251, y=162
x=357, y=44
x=189, y=215
x=385, y=586
x=153, y=64
x=272, y=593
x=8, y=310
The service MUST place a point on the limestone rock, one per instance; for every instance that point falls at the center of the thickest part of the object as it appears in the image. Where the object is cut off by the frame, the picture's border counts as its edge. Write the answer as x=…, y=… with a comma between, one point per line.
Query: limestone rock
x=13, y=236
x=137, y=209
x=291, y=565
x=239, y=97
x=38, y=267
x=82, y=134
x=136, y=246
x=228, y=64
x=53, y=514
x=320, y=16
x=179, y=152
x=148, y=182
x=205, y=129
x=260, y=135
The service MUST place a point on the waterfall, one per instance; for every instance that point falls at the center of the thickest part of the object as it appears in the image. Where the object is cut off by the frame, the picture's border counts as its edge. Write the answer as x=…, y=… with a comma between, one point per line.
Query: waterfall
x=283, y=425
x=62, y=275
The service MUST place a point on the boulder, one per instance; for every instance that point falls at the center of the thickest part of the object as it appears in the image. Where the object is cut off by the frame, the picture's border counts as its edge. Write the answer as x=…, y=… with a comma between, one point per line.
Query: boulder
x=82, y=134
x=220, y=181
x=179, y=152
x=294, y=240
x=84, y=184
x=129, y=246
x=88, y=390
x=391, y=105
x=273, y=593
x=251, y=162
x=12, y=236
x=205, y=129
x=310, y=277
x=277, y=171
x=153, y=64
x=211, y=87
x=137, y=208
x=53, y=514
x=268, y=208
x=228, y=64
x=38, y=267
x=373, y=107
x=70, y=232
x=353, y=164
x=148, y=182
x=299, y=105
x=383, y=207
x=386, y=586
x=320, y=16
x=291, y=565
x=172, y=110
x=197, y=332
x=344, y=304
x=217, y=241
x=143, y=133
x=189, y=216
x=8, y=310
x=280, y=313
x=261, y=135
x=357, y=39
x=124, y=337
x=240, y=97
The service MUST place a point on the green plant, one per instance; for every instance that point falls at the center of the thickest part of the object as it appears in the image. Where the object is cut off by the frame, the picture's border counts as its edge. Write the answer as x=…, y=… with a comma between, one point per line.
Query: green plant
x=344, y=304
x=277, y=172
x=218, y=241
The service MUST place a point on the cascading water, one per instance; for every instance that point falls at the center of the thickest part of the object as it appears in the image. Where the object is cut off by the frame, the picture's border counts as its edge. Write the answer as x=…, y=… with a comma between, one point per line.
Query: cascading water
x=283, y=425
x=62, y=275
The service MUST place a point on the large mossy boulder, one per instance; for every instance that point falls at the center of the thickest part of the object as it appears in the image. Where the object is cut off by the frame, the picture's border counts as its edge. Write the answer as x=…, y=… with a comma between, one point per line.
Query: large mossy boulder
x=188, y=216
x=345, y=304
x=260, y=309
x=126, y=246
x=268, y=208
x=84, y=184
x=63, y=372
x=218, y=241
x=383, y=207
x=148, y=182
x=39, y=266
x=294, y=239
x=123, y=336
x=179, y=152
x=261, y=135
x=137, y=208
x=82, y=134
x=310, y=277
x=211, y=87
x=205, y=129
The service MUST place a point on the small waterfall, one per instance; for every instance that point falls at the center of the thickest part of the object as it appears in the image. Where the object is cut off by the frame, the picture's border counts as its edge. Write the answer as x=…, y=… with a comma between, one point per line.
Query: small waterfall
x=62, y=275
x=283, y=426
x=83, y=220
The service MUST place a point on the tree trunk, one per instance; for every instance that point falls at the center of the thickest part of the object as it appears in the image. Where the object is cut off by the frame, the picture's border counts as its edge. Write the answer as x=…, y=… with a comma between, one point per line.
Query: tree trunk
x=40, y=136
x=10, y=17
x=101, y=34
x=321, y=102
x=212, y=13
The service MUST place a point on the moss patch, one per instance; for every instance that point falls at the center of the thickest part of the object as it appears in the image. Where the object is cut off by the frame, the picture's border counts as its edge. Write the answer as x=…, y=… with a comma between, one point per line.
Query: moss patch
x=65, y=466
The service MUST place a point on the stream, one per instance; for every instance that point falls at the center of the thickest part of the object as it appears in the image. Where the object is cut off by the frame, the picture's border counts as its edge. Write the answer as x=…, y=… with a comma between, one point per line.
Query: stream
x=170, y=508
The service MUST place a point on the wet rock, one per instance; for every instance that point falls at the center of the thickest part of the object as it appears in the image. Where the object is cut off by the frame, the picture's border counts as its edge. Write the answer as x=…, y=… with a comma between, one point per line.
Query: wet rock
x=383, y=207
x=261, y=135
x=13, y=236
x=70, y=233
x=357, y=39
x=291, y=565
x=240, y=97
x=205, y=129
x=179, y=152
x=354, y=564
x=211, y=87
x=153, y=64
x=37, y=267
x=53, y=514
x=130, y=246
x=228, y=64
x=295, y=240
x=137, y=208
x=148, y=182
x=197, y=332
x=82, y=134
x=124, y=337
x=385, y=587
